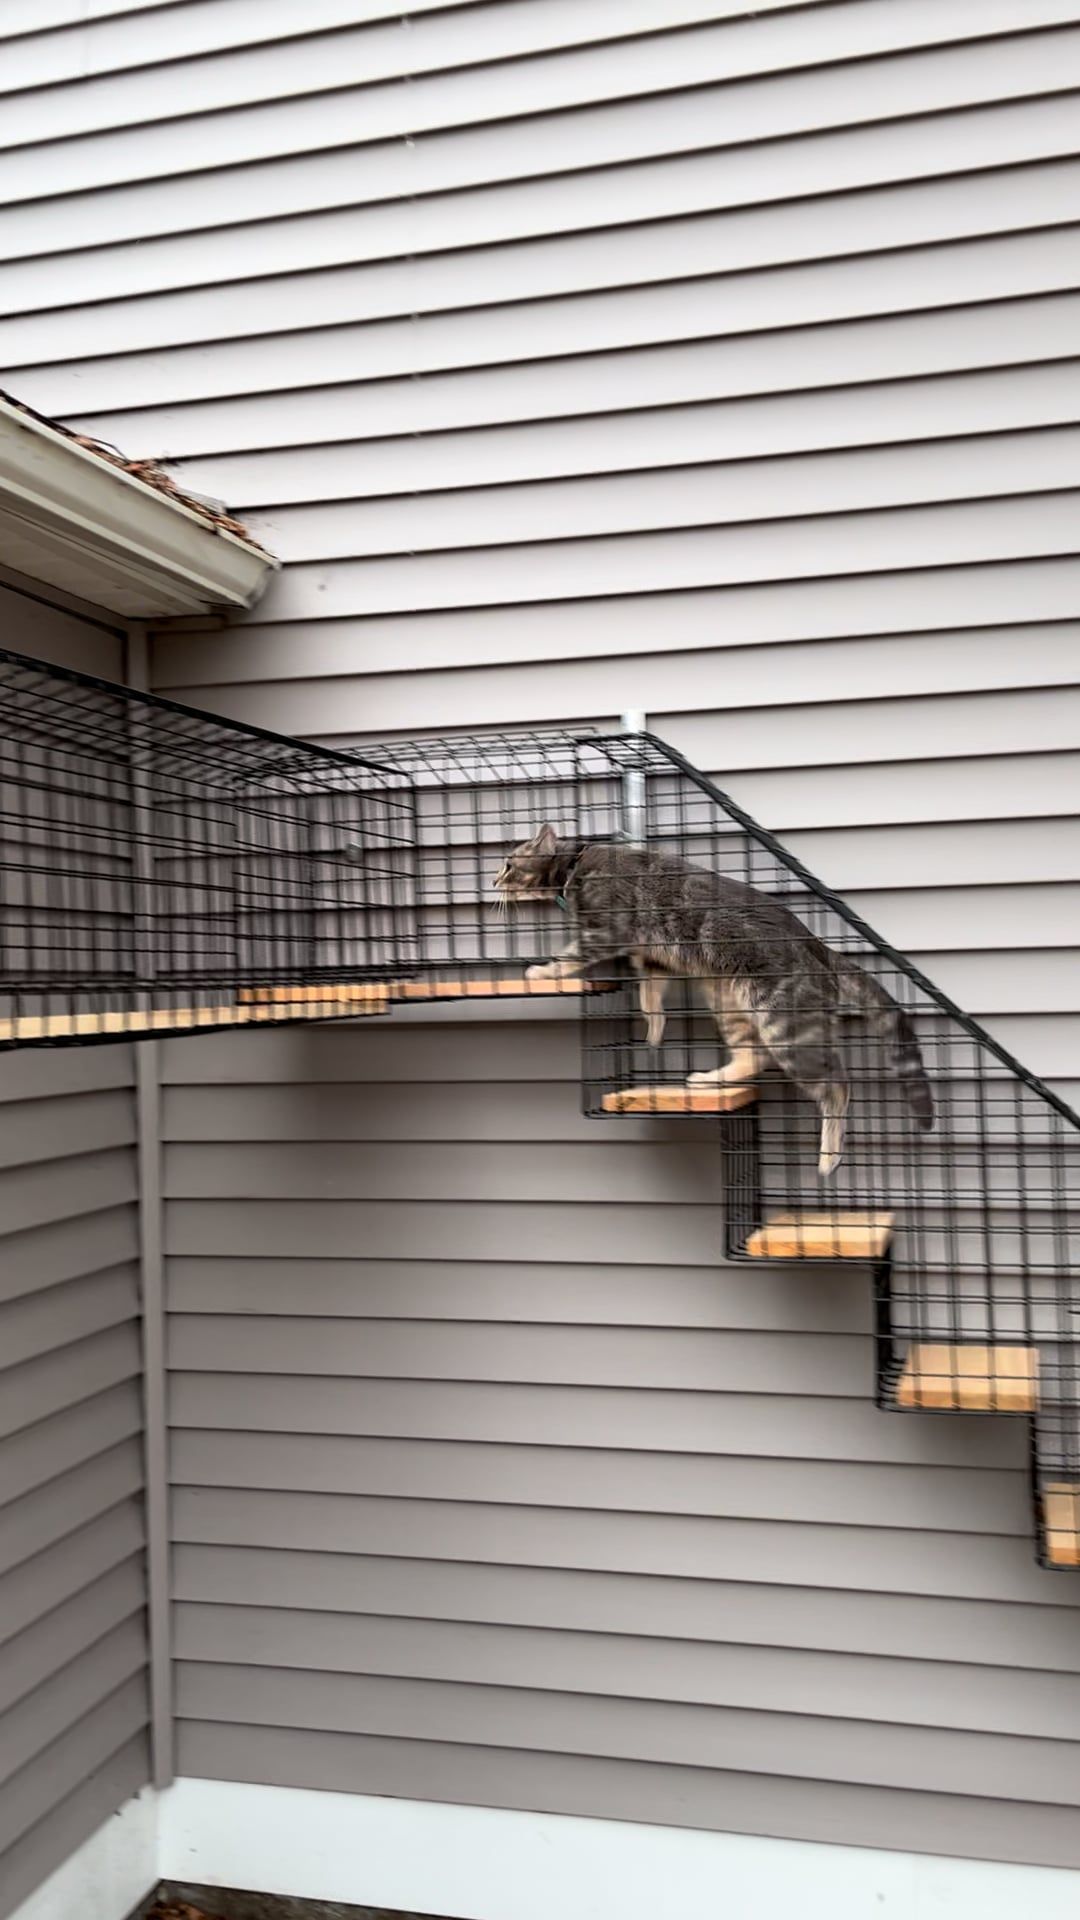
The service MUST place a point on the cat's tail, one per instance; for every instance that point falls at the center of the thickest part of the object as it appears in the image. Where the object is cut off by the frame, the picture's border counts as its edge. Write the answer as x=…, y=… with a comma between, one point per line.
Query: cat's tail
x=893, y=1026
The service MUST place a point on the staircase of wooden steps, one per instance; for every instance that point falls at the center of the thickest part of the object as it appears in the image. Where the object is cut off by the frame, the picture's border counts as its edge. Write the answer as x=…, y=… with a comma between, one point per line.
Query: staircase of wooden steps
x=933, y=1376
x=923, y=1376
x=938, y=1377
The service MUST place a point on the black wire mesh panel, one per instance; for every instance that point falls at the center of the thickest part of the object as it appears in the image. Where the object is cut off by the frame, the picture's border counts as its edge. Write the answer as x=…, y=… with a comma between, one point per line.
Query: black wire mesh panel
x=1055, y=1457
x=476, y=798
x=163, y=870
x=841, y=1050
x=821, y=1080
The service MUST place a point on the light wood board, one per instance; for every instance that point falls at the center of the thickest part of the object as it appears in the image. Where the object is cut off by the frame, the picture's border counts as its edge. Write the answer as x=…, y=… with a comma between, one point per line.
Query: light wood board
x=822, y=1236
x=680, y=1099
x=1061, y=1520
x=969, y=1379
x=137, y=1021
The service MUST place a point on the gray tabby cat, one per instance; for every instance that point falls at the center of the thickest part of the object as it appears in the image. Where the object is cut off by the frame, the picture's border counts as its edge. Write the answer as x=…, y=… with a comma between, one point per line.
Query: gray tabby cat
x=774, y=989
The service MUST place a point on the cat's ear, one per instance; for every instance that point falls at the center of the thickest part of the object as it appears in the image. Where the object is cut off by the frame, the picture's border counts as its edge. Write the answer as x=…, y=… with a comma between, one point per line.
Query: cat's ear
x=544, y=841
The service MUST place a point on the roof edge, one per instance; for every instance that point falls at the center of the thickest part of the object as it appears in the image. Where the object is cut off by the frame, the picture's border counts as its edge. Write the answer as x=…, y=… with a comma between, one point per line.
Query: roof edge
x=81, y=519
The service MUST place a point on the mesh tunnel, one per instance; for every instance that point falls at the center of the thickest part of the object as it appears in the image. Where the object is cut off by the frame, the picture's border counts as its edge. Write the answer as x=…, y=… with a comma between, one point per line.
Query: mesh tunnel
x=164, y=871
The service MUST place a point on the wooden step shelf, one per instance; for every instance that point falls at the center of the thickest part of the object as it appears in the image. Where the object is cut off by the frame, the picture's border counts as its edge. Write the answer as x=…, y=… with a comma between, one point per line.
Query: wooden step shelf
x=822, y=1236
x=256, y=1005
x=968, y=1379
x=364, y=995
x=135, y=1022
x=514, y=987
x=680, y=1099
x=1061, y=1523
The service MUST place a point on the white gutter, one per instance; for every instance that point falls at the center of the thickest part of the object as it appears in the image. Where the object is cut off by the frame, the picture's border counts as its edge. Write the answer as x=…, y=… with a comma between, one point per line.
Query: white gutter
x=76, y=522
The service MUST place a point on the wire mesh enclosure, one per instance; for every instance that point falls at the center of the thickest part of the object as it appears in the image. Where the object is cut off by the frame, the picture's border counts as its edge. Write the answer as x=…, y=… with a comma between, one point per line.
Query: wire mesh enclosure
x=166, y=871
x=860, y=1114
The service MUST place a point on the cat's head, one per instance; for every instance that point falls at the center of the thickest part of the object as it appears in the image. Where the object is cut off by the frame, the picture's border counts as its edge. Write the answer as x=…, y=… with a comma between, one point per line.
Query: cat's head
x=528, y=872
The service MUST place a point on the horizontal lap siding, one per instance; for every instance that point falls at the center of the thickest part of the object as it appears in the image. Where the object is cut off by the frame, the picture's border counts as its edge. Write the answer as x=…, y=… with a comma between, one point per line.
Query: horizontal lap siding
x=438, y=1492
x=725, y=365
x=72, y=1580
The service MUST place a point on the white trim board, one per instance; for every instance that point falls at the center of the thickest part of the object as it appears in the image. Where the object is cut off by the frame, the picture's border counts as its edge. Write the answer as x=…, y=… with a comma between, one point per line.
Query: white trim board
x=476, y=1863
x=109, y=1875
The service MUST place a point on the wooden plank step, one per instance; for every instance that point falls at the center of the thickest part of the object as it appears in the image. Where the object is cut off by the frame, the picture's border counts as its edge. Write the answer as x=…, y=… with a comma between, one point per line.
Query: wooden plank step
x=967, y=1379
x=359, y=993
x=135, y=1021
x=515, y=987
x=1061, y=1523
x=822, y=1236
x=680, y=1099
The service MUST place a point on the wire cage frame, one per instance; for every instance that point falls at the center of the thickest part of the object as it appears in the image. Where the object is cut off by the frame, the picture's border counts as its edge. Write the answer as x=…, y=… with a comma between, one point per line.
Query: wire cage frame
x=166, y=870
x=970, y=1227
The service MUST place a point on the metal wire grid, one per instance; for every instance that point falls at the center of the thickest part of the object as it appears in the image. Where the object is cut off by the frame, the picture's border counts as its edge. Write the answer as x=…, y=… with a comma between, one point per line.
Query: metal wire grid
x=985, y=1208
x=1055, y=1458
x=979, y=1277
x=992, y=1192
x=162, y=858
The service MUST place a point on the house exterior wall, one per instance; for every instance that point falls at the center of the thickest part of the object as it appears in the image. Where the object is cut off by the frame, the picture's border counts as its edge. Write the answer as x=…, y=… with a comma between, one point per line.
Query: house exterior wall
x=714, y=361
x=73, y=1643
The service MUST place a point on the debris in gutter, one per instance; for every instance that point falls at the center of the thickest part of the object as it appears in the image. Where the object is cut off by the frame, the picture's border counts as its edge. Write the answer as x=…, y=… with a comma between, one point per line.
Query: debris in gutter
x=146, y=471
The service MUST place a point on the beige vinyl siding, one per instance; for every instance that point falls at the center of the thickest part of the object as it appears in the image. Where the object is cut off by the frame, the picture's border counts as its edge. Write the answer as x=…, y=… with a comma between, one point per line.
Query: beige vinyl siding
x=73, y=1643
x=720, y=361
x=475, y=1447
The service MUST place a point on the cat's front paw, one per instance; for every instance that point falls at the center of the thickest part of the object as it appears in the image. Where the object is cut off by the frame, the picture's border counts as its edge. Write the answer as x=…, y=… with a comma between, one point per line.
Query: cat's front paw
x=543, y=970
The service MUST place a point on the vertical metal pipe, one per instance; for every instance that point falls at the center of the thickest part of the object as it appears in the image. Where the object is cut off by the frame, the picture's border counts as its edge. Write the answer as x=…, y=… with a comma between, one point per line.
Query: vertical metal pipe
x=633, y=799
x=152, y=1294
